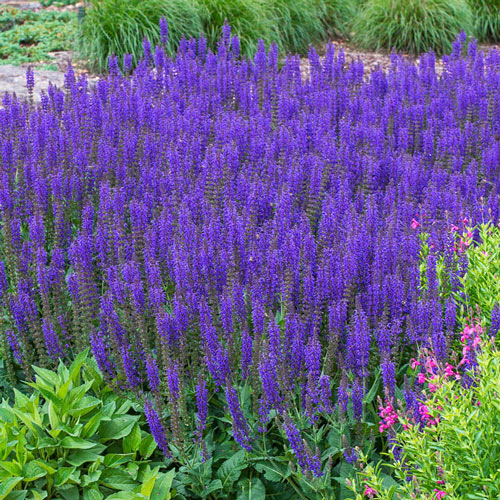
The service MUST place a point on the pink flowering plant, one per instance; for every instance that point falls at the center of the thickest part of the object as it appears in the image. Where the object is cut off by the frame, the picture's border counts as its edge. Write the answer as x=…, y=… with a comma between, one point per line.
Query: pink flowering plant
x=455, y=454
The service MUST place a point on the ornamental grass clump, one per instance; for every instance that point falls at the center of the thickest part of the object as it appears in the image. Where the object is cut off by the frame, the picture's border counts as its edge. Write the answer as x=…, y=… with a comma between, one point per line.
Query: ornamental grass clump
x=486, y=15
x=119, y=27
x=412, y=26
x=240, y=246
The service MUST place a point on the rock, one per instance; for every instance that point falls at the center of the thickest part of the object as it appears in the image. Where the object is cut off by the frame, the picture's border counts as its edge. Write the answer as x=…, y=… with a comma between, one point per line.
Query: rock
x=13, y=80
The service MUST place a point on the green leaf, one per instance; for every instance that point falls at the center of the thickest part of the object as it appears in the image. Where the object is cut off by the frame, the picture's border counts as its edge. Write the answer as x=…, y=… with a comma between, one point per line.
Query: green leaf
x=18, y=495
x=8, y=485
x=33, y=471
x=132, y=442
x=163, y=485
x=47, y=376
x=117, y=428
x=148, y=446
x=90, y=428
x=76, y=443
x=251, y=490
x=214, y=485
x=114, y=459
x=117, y=479
x=230, y=470
x=12, y=468
x=62, y=475
x=21, y=451
x=20, y=399
x=148, y=485
x=81, y=456
x=69, y=492
x=92, y=495
x=74, y=369
x=271, y=473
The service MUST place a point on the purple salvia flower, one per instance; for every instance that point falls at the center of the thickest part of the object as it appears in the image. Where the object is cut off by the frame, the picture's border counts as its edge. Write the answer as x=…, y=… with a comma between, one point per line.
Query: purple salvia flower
x=152, y=373
x=164, y=31
x=51, y=341
x=241, y=431
x=156, y=427
x=15, y=346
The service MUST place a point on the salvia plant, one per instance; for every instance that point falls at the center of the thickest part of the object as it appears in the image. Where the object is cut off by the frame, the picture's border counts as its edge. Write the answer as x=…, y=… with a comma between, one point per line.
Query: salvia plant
x=240, y=246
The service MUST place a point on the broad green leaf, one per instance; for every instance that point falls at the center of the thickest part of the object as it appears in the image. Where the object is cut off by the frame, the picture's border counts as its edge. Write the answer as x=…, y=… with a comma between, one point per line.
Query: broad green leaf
x=271, y=473
x=148, y=485
x=74, y=369
x=117, y=479
x=214, y=486
x=8, y=485
x=18, y=495
x=115, y=459
x=117, y=428
x=90, y=428
x=84, y=406
x=92, y=495
x=62, y=475
x=12, y=467
x=251, y=490
x=132, y=442
x=76, y=443
x=21, y=451
x=81, y=456
x=69, y=492
x=47, y=376
x=230, y=470
x=148, y=446
x=33, y=471
x=53, y=417
x=163, y=485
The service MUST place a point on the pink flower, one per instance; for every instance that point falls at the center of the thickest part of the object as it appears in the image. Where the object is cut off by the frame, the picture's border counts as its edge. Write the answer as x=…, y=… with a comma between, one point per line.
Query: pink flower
x=440, y=481
x=439, y=494
x=369, y=492
x=414, y=224
x=454, y=228
x=414, y=363
x=421, y=378
x=433, y=387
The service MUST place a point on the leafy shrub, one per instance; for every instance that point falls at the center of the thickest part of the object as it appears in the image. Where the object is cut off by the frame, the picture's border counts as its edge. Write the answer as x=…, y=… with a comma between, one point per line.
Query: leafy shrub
x=458, y=457
x=486, y=14
x=412, y=26
x=120, y=26
x=75, y=437
x=28, y=36
x=481, y=283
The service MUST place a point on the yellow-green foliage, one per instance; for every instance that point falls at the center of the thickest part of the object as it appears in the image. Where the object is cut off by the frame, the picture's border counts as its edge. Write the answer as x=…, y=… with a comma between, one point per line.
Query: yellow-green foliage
x=481, y=284
x=463, y=450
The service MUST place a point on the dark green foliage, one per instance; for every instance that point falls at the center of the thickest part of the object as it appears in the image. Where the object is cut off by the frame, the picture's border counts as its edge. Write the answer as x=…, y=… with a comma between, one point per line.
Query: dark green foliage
x=249, y=20
x=486, y=19
x=412, y=26
x=340, y=15
x=27, y=36
x=73, y=436
x=120, y=26
x=298, y=23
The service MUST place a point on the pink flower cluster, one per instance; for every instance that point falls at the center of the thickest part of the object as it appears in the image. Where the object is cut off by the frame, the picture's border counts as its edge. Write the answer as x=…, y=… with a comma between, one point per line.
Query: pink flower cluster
x=370, y=492
x=388, y=415
x=470, y=338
